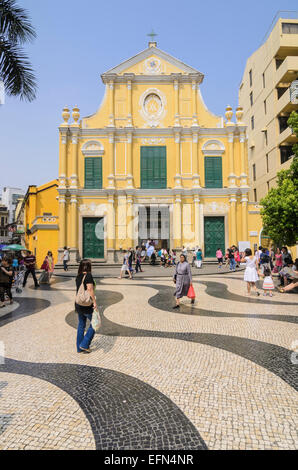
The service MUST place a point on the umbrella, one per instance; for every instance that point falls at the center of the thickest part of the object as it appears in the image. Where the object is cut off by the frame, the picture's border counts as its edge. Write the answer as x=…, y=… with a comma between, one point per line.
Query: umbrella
x=15, y=248
x=2, y=247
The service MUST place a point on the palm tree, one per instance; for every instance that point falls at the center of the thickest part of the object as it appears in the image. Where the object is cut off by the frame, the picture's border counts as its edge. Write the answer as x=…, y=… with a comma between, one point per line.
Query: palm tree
x=15, y=69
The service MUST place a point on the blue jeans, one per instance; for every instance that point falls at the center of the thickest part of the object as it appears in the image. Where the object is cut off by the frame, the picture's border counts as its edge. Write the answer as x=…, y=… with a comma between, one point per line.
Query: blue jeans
x=84, y=341
x=232, y=264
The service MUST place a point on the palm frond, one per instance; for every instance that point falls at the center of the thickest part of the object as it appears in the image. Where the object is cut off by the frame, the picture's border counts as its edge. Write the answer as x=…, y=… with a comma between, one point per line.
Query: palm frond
x=16, y=71
x=15, y=23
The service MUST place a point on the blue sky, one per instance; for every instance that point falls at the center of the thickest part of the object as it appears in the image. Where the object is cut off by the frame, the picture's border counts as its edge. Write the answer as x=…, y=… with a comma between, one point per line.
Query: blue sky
x=78, y=40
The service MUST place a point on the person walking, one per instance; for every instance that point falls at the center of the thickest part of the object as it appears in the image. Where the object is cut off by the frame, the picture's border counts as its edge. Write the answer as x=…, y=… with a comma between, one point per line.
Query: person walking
x=278, y=260
x=194, y=256
x=125, y=265
x=258, y=254
x=30, y=262
x=65, y=258
x=48, y=269
x=219, y=257
x=199, y=258
x=143, y=253
x=231, y=256
x=6, y=276
x=131, y=257
x=182, y=278
x=84, y=312
x=237, y=257
x=251, y=271
x=138, y=259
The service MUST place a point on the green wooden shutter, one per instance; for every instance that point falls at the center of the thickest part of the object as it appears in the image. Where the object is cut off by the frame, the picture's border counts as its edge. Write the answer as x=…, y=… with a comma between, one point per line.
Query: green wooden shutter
x=153, y=167
x=213, y=172
x=93, y=172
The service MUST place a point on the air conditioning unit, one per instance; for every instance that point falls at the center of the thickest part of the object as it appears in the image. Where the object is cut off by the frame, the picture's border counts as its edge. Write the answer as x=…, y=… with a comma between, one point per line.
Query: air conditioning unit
x=294, y=92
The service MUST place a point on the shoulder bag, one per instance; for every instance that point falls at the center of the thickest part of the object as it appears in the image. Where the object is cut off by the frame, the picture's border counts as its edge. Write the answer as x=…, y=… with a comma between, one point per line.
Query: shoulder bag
x=83, y=297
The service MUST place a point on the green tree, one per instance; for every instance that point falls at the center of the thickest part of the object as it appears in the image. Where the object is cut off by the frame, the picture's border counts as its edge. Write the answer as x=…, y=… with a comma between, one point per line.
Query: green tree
x=15, y=68
x=293, y=123
x=280, y=206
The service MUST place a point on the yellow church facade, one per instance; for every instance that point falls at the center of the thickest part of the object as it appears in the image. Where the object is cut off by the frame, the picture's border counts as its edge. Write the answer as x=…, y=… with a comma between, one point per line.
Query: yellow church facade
x=152, y=162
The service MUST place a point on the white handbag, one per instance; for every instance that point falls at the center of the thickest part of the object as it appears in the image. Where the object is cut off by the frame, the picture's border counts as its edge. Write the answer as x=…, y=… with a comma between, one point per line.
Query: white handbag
x=96, y=320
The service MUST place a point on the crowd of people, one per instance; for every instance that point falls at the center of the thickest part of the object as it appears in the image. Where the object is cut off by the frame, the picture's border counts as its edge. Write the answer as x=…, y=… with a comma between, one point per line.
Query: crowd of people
x=15, y=269
x=266, y=262
x=263, y=264
x=147, y=252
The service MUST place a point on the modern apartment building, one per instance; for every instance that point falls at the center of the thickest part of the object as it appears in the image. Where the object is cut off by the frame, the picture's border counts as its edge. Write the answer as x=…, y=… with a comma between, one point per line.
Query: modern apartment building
x=268, y=94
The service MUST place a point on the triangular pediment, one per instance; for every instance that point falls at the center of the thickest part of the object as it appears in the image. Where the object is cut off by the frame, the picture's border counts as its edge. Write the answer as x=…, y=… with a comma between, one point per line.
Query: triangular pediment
x=143, y=59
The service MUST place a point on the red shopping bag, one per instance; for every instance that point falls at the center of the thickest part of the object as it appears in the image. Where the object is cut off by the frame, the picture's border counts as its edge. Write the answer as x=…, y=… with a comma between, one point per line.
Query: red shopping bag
x=191, y=293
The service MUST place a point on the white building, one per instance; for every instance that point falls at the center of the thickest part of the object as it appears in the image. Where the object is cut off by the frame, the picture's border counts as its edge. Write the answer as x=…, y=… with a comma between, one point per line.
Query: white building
x=9, y=199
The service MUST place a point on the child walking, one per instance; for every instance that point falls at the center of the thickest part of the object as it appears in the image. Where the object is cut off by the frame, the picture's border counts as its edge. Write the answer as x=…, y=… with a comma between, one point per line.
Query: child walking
x=219, y=257
x=268, y=285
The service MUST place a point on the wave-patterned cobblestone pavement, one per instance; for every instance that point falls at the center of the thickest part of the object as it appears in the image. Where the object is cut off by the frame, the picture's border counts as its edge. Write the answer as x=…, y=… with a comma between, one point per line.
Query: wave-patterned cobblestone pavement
x=216, y=375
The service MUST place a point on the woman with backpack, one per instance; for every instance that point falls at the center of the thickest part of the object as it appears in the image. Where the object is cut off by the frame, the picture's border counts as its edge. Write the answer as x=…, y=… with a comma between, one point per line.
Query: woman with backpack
x=84, y=304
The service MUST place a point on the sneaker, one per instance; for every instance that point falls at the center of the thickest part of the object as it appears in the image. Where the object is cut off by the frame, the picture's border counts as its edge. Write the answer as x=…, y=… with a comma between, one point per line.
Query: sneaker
x=176, y=306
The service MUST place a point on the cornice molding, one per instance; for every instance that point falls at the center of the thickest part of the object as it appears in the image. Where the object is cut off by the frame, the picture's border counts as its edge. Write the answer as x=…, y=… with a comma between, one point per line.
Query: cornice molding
x=138, y=192
x=202, y=132
x=154, y=78
x=36, y=227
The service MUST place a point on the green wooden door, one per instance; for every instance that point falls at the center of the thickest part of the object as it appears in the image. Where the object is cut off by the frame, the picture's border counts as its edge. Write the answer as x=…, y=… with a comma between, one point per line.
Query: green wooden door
x=153, y=167
x=213, y=172
x=93, y=172
x=214, y=235
x=93, y=237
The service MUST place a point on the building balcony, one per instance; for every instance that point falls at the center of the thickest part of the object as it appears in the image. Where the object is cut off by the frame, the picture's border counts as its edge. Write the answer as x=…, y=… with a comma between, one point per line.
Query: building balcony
x=287, y=136
x=288, y=71
x=284, y=105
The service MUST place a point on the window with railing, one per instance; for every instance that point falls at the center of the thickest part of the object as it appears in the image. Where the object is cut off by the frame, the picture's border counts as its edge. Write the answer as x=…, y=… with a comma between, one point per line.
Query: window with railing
x=281, y=91
x=290, y=28
x=278, y=63
x=283, y=123
x=286, y=152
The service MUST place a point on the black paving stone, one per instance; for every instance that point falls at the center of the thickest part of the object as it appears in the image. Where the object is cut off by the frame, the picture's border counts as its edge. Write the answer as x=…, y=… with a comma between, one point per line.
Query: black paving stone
x=117, y=425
